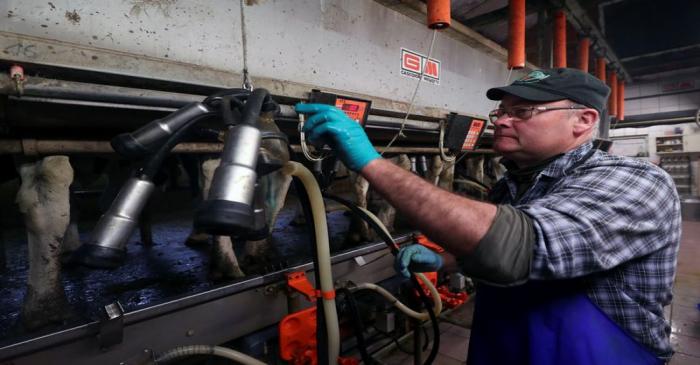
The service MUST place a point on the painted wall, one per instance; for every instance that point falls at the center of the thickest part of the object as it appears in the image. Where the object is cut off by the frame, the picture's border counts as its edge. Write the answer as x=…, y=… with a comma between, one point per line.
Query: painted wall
x=350, y=46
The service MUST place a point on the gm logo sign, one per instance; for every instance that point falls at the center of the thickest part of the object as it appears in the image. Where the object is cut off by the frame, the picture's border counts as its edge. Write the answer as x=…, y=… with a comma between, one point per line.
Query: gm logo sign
x=413, y=62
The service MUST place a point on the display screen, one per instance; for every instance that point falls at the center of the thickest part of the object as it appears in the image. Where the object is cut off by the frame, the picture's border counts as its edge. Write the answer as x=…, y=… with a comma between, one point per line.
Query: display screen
x=354, y=109
x=473, y=134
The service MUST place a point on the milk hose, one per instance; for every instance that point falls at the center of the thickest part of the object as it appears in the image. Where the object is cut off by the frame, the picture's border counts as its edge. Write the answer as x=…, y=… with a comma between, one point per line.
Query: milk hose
x=393, y=247
x=322, y=252
x=186, y=351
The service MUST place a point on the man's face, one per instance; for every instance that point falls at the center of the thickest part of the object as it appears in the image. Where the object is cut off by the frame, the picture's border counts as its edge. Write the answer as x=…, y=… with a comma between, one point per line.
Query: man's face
x=544, y=135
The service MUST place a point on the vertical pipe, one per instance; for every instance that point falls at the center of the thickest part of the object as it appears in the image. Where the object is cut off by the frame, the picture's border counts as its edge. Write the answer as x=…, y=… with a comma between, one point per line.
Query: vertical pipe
x=600, y=69
x=583, y=45
x=612, y=101
x=544, y=37
x=516, y=34
x=559, y=39
x=439, y=14
x=417, y=342
x=621, y=99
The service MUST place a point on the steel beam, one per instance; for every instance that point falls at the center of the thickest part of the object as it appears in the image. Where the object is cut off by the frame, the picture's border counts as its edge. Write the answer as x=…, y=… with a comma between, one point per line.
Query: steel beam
x=584, y=25
x=211, y=317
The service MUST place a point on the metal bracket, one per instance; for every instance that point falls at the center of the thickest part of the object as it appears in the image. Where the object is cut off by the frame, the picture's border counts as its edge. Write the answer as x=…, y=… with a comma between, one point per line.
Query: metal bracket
x=111, y=325
x=297, y=281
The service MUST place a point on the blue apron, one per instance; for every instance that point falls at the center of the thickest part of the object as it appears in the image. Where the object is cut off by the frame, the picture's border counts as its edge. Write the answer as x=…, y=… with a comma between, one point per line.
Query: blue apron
x=548, y=323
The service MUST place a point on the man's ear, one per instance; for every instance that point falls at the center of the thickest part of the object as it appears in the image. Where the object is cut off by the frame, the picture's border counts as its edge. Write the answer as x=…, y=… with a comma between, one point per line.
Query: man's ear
x=586, y=120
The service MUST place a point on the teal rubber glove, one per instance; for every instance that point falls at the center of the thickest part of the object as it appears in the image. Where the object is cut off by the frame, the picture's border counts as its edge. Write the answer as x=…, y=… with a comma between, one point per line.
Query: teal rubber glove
x=416, y=258
x=329, y=125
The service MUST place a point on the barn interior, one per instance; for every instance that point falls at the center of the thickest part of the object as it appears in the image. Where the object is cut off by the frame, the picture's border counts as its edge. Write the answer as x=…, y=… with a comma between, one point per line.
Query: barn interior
x=139, y=249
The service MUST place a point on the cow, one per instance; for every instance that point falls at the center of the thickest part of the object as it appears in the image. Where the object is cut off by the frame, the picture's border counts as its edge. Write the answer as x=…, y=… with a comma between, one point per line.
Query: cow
x=44, y=202
x=359, y=230
x=478, y=174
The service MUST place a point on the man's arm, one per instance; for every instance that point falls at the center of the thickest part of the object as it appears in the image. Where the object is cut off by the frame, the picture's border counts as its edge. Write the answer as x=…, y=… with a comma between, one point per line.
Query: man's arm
x=455, y=222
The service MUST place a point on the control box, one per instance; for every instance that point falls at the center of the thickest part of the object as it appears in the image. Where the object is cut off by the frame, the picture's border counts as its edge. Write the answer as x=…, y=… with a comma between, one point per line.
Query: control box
x=356, y=109
x=462, y=132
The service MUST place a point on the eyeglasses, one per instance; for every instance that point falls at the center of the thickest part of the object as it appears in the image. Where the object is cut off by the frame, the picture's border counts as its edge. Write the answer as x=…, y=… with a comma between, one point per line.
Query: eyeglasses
x=526, y=112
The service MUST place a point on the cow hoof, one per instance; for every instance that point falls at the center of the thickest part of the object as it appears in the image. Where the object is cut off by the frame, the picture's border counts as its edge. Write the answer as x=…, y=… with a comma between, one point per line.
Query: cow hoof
x=263, y=263
x=41, y=311
x=197, y=239
x=98, y=257
x=223, y=273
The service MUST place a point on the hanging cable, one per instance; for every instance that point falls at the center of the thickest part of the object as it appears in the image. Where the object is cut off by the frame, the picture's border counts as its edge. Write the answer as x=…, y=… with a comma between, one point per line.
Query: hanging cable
x=302, y=141
x=358, y=326
x=393, y=247
x=441, y=143
x=413, y=98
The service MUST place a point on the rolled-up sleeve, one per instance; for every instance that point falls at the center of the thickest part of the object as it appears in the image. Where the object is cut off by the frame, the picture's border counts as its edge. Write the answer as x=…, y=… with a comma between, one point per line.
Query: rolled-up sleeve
x=592, y=221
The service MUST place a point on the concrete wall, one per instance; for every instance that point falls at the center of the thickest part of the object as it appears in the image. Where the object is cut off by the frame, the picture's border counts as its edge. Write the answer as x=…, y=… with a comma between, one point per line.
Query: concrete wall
x=351, y=46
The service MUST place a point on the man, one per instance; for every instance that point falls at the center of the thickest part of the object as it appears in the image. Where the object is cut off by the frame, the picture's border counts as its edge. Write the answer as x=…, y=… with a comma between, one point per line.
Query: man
x=575, y=256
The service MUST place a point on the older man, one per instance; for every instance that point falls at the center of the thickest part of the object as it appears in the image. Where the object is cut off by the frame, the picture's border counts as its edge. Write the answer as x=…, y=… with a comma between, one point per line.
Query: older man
x=575, y=256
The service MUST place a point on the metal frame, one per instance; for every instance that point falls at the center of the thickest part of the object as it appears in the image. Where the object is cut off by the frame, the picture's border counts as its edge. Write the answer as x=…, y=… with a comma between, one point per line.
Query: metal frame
x=211, y=317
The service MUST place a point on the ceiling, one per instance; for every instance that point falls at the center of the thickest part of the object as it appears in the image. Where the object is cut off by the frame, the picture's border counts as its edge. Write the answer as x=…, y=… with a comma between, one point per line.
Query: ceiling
x=645, y=37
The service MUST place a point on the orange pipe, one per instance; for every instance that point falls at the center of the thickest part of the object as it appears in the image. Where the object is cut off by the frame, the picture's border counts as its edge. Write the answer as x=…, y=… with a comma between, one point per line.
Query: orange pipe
x=439, y=14
x=621, y=99
x=516, y=34
x=583, y=45
x=600, y=69
x=559, y=39
x=612, y=101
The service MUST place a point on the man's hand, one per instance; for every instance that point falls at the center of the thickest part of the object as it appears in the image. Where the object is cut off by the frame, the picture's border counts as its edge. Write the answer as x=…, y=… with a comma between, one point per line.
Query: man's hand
x=328, y=124
x=417, y=258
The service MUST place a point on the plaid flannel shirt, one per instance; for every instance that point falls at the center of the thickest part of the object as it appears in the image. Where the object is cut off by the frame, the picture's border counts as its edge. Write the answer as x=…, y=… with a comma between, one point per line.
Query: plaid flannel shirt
x=614, y=223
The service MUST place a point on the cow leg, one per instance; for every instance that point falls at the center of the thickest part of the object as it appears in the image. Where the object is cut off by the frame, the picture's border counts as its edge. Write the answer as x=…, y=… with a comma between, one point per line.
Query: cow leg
x=223, y=262
x=386, y=212
x=436, y=166
x=197, y=238
x=358, y=230
x=3, y=256
x=43, y=199
x=274, y=188
x=71, y=238
x=146, y=224
x=447, y=176
x=442, y=174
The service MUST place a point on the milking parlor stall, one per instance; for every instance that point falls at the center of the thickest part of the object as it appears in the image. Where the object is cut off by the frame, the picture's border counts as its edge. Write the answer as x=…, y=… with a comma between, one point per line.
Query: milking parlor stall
x=159, y=200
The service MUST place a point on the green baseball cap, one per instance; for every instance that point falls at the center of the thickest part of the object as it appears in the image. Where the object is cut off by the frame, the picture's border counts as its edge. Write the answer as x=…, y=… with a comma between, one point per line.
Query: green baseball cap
x=557, y=84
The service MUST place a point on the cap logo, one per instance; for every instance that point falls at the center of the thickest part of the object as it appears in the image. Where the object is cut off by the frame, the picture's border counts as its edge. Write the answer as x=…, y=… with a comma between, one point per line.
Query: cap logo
x=534, y=76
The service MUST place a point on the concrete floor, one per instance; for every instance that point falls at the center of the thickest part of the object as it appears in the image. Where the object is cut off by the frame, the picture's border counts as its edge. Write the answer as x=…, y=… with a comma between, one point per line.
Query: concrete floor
x=684, y=313
x=685, y=309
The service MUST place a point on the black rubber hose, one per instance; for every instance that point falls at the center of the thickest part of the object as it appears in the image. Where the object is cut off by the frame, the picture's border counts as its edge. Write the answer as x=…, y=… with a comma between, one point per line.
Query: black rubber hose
x=237, y=94
x=252, y=108
x=393, y=247
x=433, y=319
x=154, y=162
x=357, y=326
x=226, y=112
